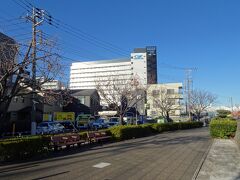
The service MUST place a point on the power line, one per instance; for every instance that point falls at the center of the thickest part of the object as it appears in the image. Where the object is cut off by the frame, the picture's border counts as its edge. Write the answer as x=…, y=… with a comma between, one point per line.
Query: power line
x=8, y=20
x=72, y=48
x=75, y=32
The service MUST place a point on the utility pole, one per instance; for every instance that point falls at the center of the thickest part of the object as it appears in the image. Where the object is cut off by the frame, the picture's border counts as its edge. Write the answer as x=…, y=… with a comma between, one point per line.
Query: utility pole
x=231, y=103
x=188, y=90
x=33, y=113
x=36, y=19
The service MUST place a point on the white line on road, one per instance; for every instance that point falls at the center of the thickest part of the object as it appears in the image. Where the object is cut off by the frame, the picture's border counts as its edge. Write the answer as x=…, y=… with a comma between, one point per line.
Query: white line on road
x=101, y=165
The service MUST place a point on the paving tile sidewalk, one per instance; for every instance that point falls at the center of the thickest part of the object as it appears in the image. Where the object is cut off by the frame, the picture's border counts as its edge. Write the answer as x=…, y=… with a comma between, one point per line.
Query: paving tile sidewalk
x=222, y=162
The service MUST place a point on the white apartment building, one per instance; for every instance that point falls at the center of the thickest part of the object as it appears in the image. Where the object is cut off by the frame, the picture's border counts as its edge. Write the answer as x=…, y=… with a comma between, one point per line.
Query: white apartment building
x=84, y=75
x=142, y=64
x=170, y=92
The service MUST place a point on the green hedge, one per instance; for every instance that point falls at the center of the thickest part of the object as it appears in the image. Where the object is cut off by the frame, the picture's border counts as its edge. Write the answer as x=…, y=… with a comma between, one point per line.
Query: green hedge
x=130, y=131
x=223, y=128
x=133, y=131
x=30, y=146
x=176, y=126
x=22, y=148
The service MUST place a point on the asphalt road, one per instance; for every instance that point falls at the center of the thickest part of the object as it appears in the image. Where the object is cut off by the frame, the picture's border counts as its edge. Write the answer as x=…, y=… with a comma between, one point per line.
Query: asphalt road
x=173, y=155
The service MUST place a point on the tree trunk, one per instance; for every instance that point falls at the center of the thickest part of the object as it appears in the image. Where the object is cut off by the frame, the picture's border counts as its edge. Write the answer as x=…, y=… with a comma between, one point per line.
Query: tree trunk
x=167, y=117
x=121, y=119
x=198, y=116
x=3, y=117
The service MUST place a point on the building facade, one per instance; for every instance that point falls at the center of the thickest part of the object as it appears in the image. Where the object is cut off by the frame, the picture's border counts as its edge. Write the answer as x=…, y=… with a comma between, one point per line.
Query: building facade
x=169, y=93
x=142, y=64
x=53, y=85
x=89, y=98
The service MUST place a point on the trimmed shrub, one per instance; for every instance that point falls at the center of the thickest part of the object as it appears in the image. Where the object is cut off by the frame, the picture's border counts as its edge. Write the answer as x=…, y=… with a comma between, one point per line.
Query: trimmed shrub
x=133, y=131
x=130, y=131
x=190, y=125
x=22, y=148
x=223, y=128
x=176, y=126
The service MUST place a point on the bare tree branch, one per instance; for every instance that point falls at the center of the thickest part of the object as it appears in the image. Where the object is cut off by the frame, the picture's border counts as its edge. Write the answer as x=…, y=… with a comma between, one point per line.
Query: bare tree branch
x=200, y=101
x=119, y=93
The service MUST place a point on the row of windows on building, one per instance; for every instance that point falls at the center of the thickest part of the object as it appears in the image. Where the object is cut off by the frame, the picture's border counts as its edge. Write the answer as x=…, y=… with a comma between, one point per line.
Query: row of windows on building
x=19, y=99
x=100, y=67
x=117, y=81
x=111, y=71
x=171, y=113
x=167, y=91
x=169, y=101
x=102, y=76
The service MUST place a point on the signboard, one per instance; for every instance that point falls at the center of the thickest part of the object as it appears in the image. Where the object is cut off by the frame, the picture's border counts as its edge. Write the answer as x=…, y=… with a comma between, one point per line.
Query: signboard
x=136, y=56
x=47, y=117
x=107, y=113
x=60, y=116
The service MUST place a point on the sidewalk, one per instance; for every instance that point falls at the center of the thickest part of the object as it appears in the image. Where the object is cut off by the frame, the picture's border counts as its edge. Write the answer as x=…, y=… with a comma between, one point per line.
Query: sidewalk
x=222, y=162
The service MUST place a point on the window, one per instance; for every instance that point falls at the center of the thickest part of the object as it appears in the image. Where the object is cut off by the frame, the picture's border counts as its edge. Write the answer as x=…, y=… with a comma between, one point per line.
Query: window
x=155, y=92
x=170, y=91
x=153, y=112
x=15, y=99
x=81, y=99
x=171, y=101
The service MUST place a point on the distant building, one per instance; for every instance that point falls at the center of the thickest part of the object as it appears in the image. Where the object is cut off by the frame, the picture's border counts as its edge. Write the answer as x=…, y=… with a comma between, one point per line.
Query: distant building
x=89, y=98
x=8, y=52
x=143, y=64
x=8, y=48
x=171, y=91
x=53, y=85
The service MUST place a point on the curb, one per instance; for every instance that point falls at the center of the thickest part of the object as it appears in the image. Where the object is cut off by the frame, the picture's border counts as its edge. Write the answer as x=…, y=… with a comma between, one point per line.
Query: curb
x=201, y=162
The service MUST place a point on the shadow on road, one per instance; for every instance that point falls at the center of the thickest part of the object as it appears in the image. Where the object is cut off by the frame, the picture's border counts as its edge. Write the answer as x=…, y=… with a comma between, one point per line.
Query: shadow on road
x=110, y=149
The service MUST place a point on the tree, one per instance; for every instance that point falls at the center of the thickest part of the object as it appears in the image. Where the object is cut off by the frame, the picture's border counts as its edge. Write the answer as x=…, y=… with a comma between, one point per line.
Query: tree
x=164, y=102
x=120, y=94
x=236, y=112
x=15, y=75
x=200, y=101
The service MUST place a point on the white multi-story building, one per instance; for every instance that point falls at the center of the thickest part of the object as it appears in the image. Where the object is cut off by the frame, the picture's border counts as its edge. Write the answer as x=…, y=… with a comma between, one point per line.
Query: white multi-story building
x=84, y=75
x=168, y=95
x=53, y=85
x=143, y=64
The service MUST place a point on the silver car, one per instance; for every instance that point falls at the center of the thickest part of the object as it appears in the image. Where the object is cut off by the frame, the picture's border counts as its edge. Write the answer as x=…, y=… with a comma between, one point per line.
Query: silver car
x=49, y=128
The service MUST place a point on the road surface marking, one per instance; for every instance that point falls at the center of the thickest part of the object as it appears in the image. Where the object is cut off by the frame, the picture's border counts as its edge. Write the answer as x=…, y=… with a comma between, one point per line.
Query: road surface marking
x=101, y=165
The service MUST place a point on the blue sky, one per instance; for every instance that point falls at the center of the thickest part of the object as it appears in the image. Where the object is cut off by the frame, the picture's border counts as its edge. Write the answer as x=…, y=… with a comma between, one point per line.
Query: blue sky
x=189, y=33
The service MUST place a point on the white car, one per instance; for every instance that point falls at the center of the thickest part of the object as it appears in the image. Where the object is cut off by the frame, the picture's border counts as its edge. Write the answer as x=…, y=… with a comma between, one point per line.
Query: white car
x=49, y=128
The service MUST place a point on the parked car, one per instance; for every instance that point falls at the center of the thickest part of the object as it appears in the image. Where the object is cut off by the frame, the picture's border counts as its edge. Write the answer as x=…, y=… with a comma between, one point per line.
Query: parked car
x=59, y=127
x=68, y=126
x=147, y=120
x=98, y=124
x=113, y=121
x=49, y=128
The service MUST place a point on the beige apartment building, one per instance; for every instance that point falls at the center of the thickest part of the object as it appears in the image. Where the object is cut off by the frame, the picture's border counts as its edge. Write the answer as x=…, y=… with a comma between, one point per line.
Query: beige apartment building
x=169, y=95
